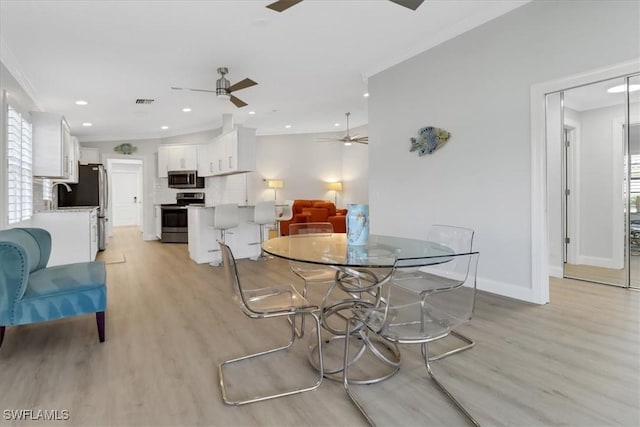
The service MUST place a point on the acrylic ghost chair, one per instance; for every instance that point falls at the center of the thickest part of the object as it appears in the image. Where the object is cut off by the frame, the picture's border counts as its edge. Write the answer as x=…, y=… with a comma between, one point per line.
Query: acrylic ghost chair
x=460, y=240
x=309, y=273
x=420, y=315
x=266, y=303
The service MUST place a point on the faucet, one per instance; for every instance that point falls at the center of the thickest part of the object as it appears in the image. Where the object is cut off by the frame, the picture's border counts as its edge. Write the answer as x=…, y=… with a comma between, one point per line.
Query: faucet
x=54, y=194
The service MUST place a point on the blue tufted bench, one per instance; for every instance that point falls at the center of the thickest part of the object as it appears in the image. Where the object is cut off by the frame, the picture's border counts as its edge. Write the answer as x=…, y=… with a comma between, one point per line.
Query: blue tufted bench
x=30, y=292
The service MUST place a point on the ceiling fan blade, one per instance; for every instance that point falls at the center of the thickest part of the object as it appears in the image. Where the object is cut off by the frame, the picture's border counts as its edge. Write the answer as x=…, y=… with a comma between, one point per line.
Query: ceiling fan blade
x=282, y=5
x=193, y=90
x=411, y=4
x=237, y=102
x=242, y=84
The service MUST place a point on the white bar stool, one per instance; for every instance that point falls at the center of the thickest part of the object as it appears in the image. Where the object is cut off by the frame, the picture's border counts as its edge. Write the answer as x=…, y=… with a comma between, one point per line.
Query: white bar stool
x=225, y=216
x=264, y=213
x=286, y=214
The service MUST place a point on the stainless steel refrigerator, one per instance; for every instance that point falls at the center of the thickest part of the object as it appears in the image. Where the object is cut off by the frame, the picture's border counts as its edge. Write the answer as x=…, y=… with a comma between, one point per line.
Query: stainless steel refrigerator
x=91, y=190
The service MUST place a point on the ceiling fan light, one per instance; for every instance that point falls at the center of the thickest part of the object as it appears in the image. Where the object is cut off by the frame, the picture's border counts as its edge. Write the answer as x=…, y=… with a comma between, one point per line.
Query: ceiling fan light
x=347, y=143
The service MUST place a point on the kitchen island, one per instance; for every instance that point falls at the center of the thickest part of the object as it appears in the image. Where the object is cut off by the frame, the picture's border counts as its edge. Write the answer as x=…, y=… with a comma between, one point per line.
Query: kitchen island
x=244, y=240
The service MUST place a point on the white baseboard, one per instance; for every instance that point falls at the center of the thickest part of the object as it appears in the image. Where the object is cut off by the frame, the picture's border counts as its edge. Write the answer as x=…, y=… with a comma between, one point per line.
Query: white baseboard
x=600, y=262
x=507, y=290
x=556, y=271
x=149, y=236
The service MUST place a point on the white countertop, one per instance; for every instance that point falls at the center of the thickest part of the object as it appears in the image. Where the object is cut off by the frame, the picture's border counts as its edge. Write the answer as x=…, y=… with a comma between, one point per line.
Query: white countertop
x=213, y=206
x=69, y=209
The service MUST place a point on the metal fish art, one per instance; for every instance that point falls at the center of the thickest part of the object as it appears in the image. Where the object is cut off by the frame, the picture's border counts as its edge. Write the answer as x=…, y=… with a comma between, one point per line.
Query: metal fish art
x=125, y=148
x=429, y=140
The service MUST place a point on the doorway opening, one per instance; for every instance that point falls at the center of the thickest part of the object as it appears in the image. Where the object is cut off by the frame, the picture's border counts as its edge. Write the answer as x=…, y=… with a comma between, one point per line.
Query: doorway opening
x=127, y=203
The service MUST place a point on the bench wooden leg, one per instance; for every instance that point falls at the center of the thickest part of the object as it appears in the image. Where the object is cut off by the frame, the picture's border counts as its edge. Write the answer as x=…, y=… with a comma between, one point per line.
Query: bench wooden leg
x=100, y=323
x=1, y=334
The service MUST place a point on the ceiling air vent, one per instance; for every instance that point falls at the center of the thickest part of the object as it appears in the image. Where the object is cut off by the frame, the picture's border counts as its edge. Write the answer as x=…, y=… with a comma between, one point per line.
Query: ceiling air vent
x=144, y=101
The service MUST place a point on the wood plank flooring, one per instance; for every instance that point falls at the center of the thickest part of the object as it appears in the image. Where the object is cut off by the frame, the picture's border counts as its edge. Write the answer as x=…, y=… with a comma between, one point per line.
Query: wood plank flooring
x=575, y=361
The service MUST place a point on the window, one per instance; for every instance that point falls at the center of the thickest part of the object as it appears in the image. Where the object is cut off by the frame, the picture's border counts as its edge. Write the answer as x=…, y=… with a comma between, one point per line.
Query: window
x=19, y=168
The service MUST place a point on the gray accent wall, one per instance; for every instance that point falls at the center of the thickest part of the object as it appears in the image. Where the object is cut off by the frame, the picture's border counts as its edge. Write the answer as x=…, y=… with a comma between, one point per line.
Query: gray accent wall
x=477, y=87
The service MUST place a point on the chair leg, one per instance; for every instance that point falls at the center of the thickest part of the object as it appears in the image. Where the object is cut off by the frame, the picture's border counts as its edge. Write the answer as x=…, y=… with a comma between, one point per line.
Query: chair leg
x=425, y=357
x=2, y=328
x=469, y=344
x=221, y=367
x=345, y=375
x=100, y=323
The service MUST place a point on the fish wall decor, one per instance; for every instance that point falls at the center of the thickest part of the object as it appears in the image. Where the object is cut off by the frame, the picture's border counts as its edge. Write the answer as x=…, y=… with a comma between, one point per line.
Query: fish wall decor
x=125, y=148
x=429, y=140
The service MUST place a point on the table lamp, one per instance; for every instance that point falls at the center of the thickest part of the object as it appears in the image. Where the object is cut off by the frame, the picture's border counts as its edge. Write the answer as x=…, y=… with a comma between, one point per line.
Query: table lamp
x=275, y=184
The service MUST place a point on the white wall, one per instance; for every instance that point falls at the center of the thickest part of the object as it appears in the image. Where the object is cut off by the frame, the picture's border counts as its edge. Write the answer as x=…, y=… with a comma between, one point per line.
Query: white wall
x=477, y=87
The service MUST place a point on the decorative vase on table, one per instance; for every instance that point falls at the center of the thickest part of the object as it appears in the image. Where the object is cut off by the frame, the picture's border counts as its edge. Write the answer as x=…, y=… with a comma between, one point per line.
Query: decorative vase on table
x=357, y=224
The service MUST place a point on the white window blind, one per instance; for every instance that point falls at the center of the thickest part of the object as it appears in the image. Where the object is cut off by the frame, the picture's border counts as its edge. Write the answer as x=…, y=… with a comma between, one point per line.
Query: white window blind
x=19, y=167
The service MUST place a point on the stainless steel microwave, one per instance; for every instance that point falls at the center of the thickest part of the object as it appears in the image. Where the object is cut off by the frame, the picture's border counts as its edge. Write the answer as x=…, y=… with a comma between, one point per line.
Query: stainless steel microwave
x=185, y=179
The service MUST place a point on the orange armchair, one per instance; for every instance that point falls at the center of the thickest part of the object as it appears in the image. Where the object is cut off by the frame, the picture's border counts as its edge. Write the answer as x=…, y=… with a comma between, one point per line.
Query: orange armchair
x=316, y=211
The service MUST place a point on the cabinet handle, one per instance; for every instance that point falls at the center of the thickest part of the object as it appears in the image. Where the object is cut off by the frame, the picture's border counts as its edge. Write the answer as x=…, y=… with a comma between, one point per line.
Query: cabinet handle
x=219, y=164
x=210, y=166
x=230, y=162
x=182, y=163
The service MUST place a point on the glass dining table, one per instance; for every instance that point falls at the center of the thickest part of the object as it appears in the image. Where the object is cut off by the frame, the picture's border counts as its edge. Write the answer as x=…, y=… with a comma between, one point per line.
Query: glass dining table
x=361, y=272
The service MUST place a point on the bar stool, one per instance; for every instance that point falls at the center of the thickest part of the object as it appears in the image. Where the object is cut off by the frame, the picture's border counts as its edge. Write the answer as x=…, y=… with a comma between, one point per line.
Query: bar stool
x=286, y=215
x=225, y=216
x=264, y=213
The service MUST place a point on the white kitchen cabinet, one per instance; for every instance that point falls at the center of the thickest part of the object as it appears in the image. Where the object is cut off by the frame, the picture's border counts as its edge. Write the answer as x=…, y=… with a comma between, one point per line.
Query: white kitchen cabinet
x=74, y=234
x=177, y=158
x=210, y=158
x=93, y=244
x=157, y=216
x=236, y=151
x=89, y=155
x=72, y=158
x=51, y=145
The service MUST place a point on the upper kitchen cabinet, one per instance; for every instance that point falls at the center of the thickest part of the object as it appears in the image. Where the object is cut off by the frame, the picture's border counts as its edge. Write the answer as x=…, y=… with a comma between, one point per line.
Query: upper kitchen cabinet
x=89, y=155
x=52, y=146
x=177, y=158
x=73, y=156
x=236, y=151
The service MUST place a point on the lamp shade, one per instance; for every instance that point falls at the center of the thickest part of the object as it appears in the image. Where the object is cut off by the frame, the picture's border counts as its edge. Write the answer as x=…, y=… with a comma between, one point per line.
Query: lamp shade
x=335, y=186
x=274, y=183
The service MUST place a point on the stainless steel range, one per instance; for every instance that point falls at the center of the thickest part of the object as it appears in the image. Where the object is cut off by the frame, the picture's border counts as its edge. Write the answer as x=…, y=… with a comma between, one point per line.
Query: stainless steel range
x=175, y=223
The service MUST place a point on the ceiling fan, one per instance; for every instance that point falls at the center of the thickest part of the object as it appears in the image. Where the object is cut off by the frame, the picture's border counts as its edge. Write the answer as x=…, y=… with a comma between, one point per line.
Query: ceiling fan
x=224, y=88
x=348, y=139
x=282, y=5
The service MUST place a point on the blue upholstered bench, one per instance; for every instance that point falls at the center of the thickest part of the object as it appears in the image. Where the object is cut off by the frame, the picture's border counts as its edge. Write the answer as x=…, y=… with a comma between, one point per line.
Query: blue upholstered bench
x=30, y=292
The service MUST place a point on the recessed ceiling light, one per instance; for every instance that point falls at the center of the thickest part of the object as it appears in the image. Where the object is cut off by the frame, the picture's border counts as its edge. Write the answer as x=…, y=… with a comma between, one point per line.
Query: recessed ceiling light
x=87, y=124
x=251, y=113
x=366, y=94
x=164, y=127
x=186, y=110
x=336, y=124
x=623, y=88
x=81, y=102
x=287, y=127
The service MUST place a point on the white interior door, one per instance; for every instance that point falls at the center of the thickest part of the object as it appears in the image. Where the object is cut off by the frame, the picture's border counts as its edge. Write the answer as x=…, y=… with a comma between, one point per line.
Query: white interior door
x=126, y=197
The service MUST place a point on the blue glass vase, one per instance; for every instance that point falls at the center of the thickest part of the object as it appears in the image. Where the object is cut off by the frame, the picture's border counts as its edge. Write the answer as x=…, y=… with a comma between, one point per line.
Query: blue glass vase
x=357, y=224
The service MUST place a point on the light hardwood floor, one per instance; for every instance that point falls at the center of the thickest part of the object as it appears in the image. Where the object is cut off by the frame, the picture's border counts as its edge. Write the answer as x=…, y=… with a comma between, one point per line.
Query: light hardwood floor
x=575, y=361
